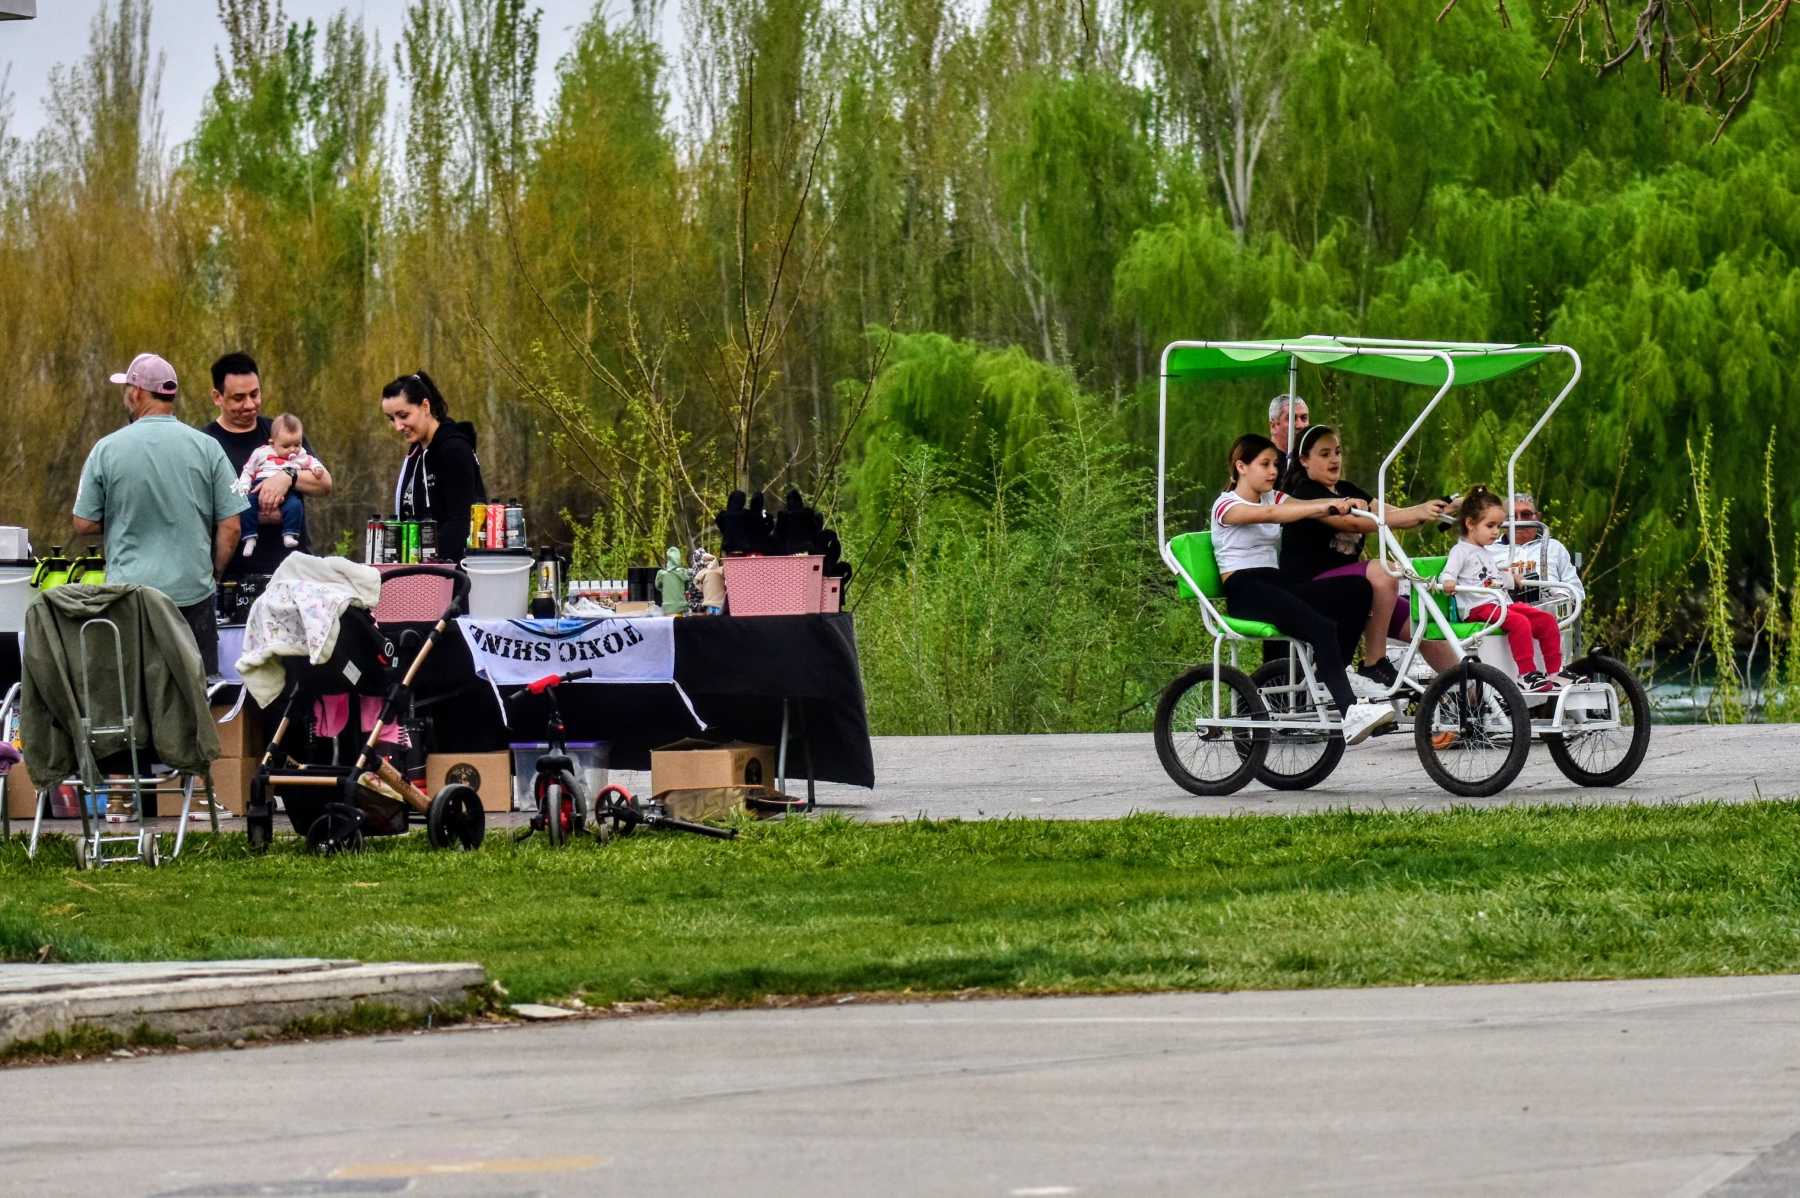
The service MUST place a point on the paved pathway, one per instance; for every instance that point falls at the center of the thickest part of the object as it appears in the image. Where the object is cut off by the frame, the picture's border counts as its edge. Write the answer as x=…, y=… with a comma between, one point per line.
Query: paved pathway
x=1103, y=777
x=1676, y=1088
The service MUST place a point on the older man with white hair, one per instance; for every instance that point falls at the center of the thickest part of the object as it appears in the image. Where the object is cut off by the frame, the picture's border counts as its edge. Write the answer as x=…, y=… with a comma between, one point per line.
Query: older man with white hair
x=1287, y=413
x=1544, y=555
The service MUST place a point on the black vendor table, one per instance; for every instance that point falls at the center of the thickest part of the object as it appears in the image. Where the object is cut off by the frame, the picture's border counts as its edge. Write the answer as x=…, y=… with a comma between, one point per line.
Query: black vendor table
x=737, y=670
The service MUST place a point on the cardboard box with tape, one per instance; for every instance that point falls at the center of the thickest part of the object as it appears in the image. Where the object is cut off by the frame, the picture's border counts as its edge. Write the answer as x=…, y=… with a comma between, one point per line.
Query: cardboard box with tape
x=703, y=765
x=242, y=735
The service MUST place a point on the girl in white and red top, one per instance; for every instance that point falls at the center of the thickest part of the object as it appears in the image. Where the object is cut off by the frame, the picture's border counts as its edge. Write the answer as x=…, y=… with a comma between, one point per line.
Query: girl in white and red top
x=1326, y=613
x=1473, y=563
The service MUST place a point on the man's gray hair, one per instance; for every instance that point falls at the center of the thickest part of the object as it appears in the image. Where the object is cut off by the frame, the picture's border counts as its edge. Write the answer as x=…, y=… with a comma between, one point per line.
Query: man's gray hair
x=1525, y=497
x=1278, y=405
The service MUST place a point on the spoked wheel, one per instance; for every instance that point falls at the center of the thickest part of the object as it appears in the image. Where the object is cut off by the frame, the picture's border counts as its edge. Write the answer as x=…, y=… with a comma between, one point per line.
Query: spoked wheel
x=1473, y=730
x=1300, y=758
x=1604, y=756
x=1210, y=761
x=608, y=824
x=337, y=830
x=456, y=819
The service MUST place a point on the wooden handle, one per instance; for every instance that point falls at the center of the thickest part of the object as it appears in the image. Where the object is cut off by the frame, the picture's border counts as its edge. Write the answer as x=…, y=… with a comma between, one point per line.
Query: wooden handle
x=416, y=799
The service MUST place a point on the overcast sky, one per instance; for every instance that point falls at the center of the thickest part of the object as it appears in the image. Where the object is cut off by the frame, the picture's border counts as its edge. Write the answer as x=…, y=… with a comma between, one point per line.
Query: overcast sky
x=186, y=32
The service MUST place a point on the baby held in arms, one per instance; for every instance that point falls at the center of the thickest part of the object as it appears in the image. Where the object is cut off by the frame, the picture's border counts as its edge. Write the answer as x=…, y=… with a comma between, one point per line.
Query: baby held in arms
x=284, y=454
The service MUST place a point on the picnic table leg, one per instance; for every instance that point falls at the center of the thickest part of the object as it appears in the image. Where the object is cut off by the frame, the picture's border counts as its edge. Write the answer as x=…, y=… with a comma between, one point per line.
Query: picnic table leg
x=806, y=747
x=781, y=752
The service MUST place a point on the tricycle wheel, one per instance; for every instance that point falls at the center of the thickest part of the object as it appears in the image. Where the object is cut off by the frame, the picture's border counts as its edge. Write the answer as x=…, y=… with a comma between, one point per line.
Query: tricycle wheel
x=455, y=818
x=1604, y=756
x=1301, y=758
x=1473, y=730
x=337, y=830
x=1210, y=761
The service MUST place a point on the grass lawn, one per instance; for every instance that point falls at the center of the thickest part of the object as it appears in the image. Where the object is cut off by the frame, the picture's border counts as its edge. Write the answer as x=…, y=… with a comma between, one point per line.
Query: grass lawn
x=827, y=906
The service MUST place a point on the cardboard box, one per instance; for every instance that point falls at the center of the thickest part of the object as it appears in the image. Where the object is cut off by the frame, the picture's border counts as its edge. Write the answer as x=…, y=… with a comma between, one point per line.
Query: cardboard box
x=698, y=806
x=231, y=787
x=243, y=735
x=699, y=765
x=21, y=793
x=489, y=773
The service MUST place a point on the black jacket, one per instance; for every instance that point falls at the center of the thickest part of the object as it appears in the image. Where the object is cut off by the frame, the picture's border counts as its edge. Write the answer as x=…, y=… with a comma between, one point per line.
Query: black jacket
x=440, y=482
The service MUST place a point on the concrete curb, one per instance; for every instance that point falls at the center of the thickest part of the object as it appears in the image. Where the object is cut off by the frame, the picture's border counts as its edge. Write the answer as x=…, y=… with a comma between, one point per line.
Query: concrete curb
x=209, y=1002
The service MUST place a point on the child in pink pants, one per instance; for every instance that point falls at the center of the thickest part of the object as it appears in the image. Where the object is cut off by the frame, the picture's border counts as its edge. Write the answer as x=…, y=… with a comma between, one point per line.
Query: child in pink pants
x=1470, y=564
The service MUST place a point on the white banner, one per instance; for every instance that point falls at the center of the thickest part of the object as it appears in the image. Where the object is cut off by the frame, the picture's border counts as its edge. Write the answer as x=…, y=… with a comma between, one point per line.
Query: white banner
x=515, y=652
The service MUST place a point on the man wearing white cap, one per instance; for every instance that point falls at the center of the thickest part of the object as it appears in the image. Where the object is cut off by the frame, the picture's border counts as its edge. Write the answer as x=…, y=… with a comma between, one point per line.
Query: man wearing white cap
x=162, y=493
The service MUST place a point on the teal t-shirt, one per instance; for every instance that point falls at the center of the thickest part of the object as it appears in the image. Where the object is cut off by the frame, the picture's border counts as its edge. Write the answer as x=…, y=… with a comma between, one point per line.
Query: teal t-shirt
x=159, y=488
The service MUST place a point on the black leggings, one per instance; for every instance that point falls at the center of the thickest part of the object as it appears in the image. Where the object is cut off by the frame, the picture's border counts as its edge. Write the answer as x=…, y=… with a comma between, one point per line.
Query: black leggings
x=1327, y=613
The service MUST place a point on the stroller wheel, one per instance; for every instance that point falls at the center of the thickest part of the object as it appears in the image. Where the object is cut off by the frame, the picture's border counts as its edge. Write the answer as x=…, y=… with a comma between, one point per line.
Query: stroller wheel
x=81, y=852
x=337, y=830
x=259, y=828
x=149, y=849
x=456, y=819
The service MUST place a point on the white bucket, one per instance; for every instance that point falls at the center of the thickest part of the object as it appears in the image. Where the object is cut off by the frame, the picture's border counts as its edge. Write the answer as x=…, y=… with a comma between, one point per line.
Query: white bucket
x=499, y=584
x=15, y=594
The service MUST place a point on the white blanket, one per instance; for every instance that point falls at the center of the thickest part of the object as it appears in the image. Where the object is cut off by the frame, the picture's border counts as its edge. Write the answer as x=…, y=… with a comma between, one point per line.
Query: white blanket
x=297, y=616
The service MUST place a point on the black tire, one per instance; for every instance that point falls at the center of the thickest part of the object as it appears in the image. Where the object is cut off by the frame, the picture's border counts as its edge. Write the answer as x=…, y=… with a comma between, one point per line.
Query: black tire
x=455, y=819
x=1611, y=756
x=1295, y=760
x=337, y=830
x=1485, y=757
x=549, y=810
x=1218, y=761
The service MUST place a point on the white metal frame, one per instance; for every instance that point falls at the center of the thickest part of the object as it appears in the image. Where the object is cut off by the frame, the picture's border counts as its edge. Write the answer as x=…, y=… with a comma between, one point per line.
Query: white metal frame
x=1393, y=557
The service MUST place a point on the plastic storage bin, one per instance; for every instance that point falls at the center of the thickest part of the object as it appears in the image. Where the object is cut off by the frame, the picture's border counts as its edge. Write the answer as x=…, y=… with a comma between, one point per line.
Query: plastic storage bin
x=499, y=583
x=775, y=586
x=15, y=593
x=590, y=758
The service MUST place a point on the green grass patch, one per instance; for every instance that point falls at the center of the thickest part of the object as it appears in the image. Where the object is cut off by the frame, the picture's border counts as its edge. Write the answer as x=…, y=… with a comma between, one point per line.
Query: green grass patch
x=83, y=1040
x=806, y=907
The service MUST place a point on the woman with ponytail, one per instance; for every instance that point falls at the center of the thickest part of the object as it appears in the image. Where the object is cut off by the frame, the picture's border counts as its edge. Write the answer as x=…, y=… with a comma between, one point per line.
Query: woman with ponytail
x=441, y=476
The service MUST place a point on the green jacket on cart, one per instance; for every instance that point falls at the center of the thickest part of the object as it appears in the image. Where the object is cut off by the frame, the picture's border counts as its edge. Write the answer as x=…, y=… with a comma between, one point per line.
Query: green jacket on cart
x=162, y=680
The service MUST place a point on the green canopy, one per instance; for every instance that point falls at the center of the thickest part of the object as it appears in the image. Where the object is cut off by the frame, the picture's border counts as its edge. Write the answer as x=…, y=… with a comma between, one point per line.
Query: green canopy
x=1257, y=359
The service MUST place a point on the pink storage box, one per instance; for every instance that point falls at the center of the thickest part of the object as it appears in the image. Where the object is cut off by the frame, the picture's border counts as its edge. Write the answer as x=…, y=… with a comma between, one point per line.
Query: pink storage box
x=413, y=599
x=775, y=586
x=834, y=595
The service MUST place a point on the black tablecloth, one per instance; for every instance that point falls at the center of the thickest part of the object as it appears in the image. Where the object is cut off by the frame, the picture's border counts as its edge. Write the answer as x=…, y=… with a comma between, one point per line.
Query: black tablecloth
x=737, y=671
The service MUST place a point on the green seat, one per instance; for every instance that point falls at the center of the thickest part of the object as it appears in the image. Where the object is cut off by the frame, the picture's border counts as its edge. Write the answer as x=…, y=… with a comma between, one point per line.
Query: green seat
x=1431, y=567
x=1195, y=553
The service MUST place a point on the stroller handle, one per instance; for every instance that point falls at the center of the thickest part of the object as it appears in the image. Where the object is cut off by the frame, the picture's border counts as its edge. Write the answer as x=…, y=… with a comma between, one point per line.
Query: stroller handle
x=459, y=582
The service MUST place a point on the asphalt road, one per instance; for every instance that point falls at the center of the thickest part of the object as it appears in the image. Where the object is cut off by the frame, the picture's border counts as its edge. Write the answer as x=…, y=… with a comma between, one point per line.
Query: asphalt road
x=1104, y=777
x=1675, y=1088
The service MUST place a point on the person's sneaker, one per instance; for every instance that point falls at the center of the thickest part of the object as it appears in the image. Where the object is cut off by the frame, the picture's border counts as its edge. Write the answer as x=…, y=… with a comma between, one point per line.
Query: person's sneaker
x=1381, y=671
x=290, y=540
x=1536, y=683
x=249, y=549
x=198, y=810
x=1363, y=718
x=1365, y=687
x=1565, y=678
x=118, y=809
x=1442, y=740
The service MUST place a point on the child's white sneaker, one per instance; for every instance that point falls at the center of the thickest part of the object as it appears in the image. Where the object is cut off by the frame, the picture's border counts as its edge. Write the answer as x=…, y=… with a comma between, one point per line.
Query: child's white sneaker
x=1363, y=719
x=290, y=540
x=249, y=549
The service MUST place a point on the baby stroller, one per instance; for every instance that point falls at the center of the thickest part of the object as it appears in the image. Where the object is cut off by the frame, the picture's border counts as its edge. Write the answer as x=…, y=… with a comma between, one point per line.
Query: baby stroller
x=335, y=806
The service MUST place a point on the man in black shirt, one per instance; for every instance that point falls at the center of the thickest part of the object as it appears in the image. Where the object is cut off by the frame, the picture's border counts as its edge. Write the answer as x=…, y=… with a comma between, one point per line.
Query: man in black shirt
x=239, y=429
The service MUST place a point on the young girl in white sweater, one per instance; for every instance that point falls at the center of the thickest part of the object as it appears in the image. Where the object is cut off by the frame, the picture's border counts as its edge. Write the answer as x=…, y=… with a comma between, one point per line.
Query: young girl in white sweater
x=1474, y=563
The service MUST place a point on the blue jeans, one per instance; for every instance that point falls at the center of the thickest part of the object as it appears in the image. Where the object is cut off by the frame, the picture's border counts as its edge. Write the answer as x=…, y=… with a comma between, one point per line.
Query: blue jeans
x=293, y=514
